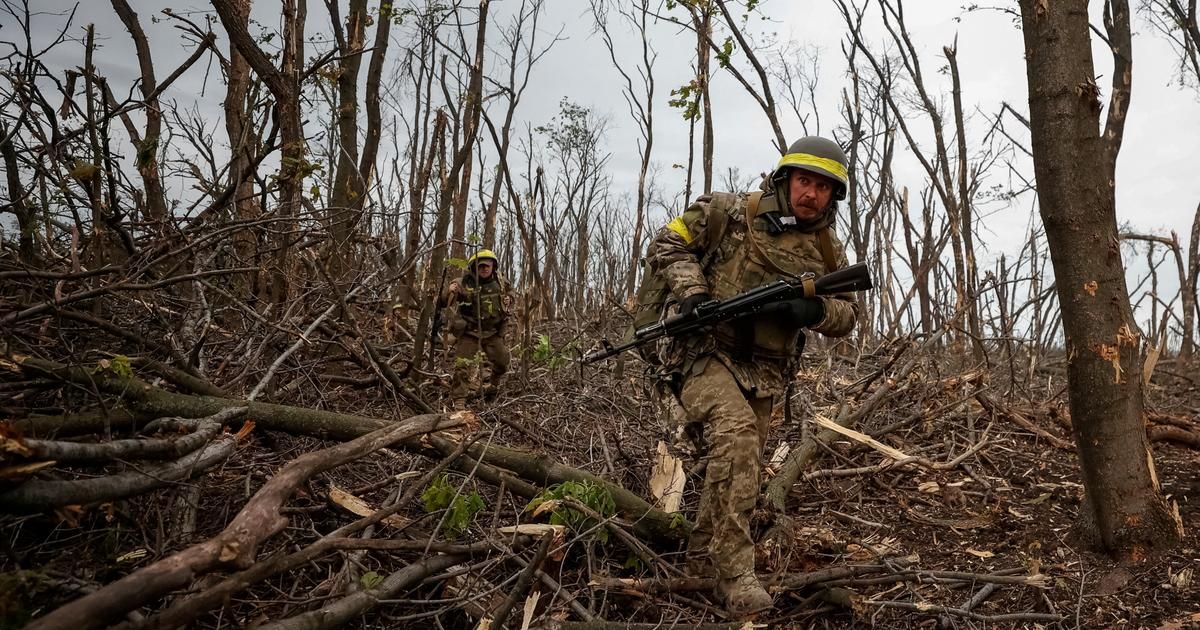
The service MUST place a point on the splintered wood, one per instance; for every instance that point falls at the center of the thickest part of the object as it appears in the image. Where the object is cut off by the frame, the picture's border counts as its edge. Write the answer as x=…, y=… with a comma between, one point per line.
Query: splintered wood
x=667, y=479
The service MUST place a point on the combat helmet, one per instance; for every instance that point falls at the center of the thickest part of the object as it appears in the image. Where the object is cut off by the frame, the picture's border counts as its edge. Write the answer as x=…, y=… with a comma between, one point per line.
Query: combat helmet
x=483, y=254
x=816, y=155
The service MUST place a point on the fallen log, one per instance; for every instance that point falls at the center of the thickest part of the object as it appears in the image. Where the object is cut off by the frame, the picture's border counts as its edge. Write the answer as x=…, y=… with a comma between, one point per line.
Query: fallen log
x=541, y=469
x=36, y=495
x=601, y=624
x=167, y=448
x=1020, y=420
x=98, y=421
x=1178, y=435
x=791, y=582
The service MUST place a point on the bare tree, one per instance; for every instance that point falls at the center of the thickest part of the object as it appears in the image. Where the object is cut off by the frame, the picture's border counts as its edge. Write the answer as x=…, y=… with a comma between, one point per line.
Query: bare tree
x=1177, y=21
x=456, y=177
x=955, y=188
x=284, y=84
x=147, y=149
x=640, y=101
x=520, y=38
x=1178, y=24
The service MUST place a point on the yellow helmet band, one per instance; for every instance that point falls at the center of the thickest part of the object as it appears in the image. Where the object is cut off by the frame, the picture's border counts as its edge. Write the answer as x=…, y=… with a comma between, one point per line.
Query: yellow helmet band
x=833, y=167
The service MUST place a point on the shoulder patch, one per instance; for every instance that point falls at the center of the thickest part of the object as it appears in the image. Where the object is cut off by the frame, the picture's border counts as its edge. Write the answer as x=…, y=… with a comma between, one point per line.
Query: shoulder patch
x=679, y=227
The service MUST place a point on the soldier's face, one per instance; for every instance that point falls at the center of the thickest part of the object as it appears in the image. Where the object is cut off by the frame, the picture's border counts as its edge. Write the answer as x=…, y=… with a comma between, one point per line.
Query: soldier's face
x=809, y=194
x=484, y=269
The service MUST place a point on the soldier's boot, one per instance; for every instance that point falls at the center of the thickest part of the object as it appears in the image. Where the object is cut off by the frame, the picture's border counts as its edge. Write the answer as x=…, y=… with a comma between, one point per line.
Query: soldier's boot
x=492, y=389
x=743, y=595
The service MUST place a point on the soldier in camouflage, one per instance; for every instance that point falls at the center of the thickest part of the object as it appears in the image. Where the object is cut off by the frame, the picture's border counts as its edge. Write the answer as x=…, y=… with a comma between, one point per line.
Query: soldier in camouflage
x=483, y=303
x=727, y=381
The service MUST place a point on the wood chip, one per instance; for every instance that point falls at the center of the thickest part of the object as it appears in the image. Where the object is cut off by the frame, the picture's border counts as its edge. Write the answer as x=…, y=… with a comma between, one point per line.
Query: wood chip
x=861, y=438
x=667, y=479
x=358, y=507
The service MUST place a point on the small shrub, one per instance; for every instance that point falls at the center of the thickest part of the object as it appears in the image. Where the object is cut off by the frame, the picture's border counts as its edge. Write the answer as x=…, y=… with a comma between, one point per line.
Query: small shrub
x=593, y=495
x=460, y=508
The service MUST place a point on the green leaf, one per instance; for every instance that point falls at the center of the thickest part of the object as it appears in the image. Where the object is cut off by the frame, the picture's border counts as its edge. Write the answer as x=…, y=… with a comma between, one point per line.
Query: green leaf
x=460, y=263
x=370, y=580
x=460, y=508
x=726, y=53
x=595, y=496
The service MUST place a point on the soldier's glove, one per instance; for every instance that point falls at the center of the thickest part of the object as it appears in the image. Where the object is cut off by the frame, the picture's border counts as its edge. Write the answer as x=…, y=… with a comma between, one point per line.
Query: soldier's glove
x=804, y=312
x=690, y=303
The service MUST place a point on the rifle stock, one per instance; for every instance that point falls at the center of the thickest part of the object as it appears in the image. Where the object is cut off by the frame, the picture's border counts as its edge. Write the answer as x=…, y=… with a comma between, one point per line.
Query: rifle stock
x=856, y=277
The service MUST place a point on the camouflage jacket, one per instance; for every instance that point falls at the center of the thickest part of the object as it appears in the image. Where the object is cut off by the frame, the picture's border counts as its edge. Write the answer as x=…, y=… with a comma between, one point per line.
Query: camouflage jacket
x=687, y=258
x=482, y=306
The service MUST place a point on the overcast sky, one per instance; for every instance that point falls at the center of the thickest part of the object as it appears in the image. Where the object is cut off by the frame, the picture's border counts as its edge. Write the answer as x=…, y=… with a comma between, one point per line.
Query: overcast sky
x=1158, y=189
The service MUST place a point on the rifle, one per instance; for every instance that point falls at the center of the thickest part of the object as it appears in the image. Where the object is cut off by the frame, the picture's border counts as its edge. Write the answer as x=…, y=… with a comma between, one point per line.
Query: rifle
x=856, y=277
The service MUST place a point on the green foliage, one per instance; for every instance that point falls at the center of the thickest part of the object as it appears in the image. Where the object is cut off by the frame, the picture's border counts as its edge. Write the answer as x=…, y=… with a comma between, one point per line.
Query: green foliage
x=460, y=508
x=593, y=495
x=370, y=580
x=545, y=353
x=119, y=365
x=686, y=97
x=726, y=52
x=460, y=263
x=573, y=131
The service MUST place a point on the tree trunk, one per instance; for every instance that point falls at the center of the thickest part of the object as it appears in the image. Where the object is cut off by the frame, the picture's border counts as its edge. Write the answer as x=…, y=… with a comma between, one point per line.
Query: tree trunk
x=147, y=154
x=420, y=173
x=437, y=258
x=346, y=198
x=238, y=129
x=383, y=30
x=967, y=223
x=1189, y=285
x=704, y=27
x=1124, y=511
x=284, y=84
x=16, y=193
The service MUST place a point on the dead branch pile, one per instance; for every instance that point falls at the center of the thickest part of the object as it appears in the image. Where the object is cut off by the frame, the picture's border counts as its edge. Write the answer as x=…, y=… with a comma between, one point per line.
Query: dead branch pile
x=143, y=491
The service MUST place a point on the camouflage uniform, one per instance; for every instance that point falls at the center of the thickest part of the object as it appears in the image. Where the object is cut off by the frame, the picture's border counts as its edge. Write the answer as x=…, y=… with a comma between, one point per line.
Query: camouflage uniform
x=482, y=308
x=728, y=380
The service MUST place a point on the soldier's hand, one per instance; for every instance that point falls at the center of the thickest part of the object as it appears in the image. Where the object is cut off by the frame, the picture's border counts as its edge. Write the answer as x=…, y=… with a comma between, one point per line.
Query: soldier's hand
x=455, y=288
x=690, y=303
x=804, y=312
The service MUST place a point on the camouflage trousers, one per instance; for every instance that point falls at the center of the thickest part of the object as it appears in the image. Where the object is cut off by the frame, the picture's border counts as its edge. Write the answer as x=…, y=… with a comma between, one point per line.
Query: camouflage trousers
x=735, y=430
x=469, y=355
